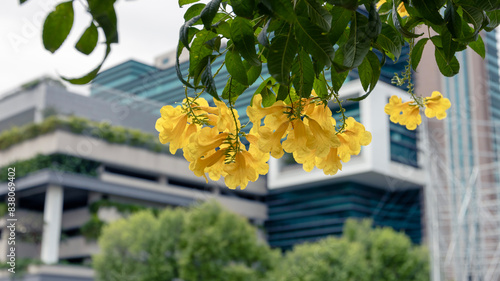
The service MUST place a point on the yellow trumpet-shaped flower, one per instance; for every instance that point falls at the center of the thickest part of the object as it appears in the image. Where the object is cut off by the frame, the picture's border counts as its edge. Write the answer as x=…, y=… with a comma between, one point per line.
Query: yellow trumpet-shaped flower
x=401, y=8
x=407, y=113
x=330, y=164
x=203, y=142
x=270, y=141
x=226, y=119
x=322, y=139
x=436, y=106
x=206, y=164
x=246, y=167
x=256, y=112
x=297, y=139
x=352, y=138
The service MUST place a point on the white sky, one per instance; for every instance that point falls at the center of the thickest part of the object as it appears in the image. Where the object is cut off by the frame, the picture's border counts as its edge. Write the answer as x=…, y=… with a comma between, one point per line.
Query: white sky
x=147, y=28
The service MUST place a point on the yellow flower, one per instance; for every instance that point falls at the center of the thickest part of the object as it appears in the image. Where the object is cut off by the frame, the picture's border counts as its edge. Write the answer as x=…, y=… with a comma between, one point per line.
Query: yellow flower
x=407, y=113
x=330, y=164
x=246, y=167
x=436, y=106
x=307, y=159
x=203, y=142
x=256, y=112
x=322, y=139
x=226, y=119
x=270, y=141
x=297, y=138
x=401, y=8
x=200, y=165
x=352, y=138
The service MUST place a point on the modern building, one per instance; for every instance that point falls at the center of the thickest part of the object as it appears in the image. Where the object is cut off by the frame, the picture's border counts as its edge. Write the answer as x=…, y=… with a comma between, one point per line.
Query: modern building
x=71, y=172
x=463, y=186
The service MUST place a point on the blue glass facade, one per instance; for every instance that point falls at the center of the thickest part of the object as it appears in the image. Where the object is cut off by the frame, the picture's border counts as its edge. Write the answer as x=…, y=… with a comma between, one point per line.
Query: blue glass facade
x=308, y=214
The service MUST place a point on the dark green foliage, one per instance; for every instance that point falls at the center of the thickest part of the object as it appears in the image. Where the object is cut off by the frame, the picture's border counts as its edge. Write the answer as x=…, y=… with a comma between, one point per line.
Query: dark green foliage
x=91, y=230
x=81, y=126
x=55, y=162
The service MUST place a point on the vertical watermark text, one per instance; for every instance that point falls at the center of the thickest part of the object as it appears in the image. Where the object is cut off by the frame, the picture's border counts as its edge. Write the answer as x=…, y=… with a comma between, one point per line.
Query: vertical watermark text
x=11, y=219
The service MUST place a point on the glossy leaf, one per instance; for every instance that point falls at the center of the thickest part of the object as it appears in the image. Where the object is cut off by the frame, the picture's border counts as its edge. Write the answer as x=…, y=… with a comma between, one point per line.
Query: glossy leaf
x=243, y=38
x=185, y=2
x=428, y=9
x=396, y=21
x=417, y=51
x=253, y=72
x=449, y=45
x=369, y=72
x=268, y=96
x=348, y=4
x=199, y=50
x=88, y=41
x=303, y=74
x=233, y=90
x=57, y=26
x=282, y=8
x=447, y=68
x=453, y=20
x=262, y=37
x=243, y=8
x=235, y=67
x=208, y=13
x=185, y=30
x=208, y=81
x=104, y=14
x=390, y=40
x=318, y=14
x=279, y=61
x=193, y=11
x=319, y=86
x=340, y=19
x=91, y=75
x=478, y=46
x=314, y=41
x=358, y=44
x=494, y=17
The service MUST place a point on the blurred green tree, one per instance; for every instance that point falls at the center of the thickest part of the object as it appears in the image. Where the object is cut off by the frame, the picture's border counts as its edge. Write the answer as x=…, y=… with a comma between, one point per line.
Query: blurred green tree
x=362, y=253
x=204, y=242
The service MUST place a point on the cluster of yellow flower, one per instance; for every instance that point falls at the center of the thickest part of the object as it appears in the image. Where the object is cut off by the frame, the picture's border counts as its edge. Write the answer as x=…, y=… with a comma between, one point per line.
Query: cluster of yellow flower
x=210, y=137
x=408, y=113
x=309, y=129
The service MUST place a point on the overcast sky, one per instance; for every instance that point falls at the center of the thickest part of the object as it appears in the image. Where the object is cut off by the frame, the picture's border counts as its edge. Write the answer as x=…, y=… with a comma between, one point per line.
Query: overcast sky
x=147, y=28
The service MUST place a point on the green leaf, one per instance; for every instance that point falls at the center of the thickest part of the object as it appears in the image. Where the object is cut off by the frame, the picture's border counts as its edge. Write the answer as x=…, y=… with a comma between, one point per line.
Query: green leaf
x=339, y=73
x=184, y=31
x=268, y=97
x=57, y=26
x=235, y=67
x=185, y=2
x=453, y=20
x=340, y=19
x=348, y=4
x=303, y=74
x=282, y=8
x=314, y=41
x=208, y=81
x=193, y=11
x=104, y=14
x=199, y=50
x=358, y=44
x=243, y=8
x=318, y=14
x=319, y=86
x=494, y=17
x=417, y=51
x=262, y=37
x=374, y=23
x=253, y=72
x=478, y=46
x=428, y=9
x=396, y=21
x=283, y=92
x=178, y=71
x=243, y=39
x=208, y=13
x=449, y=45
x=448, y=69
x=22, y=1
x=369, y=72
x=92, y=74
x=390, y=40
x=475, y=17
x=233, y=90
x=279, y=60
x=88, y=41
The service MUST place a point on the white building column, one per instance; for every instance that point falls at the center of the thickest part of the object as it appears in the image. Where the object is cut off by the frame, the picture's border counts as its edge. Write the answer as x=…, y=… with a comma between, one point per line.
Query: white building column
x=52, y=215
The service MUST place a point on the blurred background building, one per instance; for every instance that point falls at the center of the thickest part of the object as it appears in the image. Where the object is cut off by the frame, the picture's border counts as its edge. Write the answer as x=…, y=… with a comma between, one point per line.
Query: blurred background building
x=438, y=184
